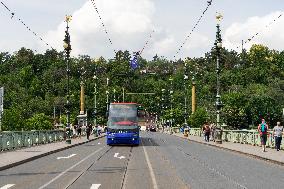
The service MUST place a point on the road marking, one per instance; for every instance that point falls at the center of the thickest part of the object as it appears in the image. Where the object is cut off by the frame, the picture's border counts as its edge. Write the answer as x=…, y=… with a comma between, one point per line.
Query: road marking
x=58, y=176
x=99, y=143
x=116, y=156
x=7, y=186
x=67, y=157
x=155, y=186
x=95, y=186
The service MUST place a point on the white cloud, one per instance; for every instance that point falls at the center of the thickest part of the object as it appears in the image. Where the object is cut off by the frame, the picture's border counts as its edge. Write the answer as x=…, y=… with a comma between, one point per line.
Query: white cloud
x=163, y=46
x=197, y=40
x=128, y=23
x=270, y=33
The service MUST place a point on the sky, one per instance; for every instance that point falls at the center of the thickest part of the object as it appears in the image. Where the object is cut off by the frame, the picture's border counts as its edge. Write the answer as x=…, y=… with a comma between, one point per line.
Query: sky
x=130, y=23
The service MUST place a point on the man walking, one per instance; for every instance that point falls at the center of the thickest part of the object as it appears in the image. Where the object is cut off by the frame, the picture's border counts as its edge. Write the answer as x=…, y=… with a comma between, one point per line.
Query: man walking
x=277, y=133
x=206, y=131
x=88, y=131
x=262, y=129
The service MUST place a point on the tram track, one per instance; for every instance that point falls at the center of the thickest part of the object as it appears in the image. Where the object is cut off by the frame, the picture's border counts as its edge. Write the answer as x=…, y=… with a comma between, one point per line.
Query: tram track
x=126, y=168
x=86, y=169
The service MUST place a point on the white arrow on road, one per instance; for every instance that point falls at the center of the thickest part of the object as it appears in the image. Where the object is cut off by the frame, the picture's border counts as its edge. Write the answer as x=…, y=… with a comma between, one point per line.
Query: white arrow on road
x=7, y=186
x=67, y=157
x=116, y=156
x=95, y=186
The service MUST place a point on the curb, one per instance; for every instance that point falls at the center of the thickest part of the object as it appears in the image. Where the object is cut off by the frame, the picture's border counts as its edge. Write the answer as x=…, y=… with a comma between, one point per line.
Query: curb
x=45, y=154
x=236, y=151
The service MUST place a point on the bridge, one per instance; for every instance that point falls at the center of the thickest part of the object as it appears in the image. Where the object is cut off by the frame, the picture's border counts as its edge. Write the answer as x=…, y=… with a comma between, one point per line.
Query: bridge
x=50, y=96
x=161, y=161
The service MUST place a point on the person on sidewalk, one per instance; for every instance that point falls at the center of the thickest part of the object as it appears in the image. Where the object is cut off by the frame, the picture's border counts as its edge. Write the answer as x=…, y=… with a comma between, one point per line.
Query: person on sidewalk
x=79, y=131
x=88, y=131
x=277, y=134
x=213, y=129
x=262, y=129
x=206, y=131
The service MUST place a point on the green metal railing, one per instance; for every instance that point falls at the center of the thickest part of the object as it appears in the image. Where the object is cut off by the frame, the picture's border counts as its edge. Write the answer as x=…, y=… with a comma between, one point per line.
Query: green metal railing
x=251, y=137
x=10, y=140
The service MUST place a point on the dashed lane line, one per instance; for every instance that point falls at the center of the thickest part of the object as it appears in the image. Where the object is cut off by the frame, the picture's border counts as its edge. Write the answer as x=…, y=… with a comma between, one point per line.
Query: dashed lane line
x=155, y=186
x=58, y=176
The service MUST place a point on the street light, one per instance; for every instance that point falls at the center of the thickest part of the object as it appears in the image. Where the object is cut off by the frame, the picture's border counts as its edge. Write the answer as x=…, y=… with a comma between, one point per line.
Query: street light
x=218, y=46
x=185, y=92
x=67, y=49
x=95, y=111
x=114, y=98
x=163, y=104
x=171, y=104
x=107, y=96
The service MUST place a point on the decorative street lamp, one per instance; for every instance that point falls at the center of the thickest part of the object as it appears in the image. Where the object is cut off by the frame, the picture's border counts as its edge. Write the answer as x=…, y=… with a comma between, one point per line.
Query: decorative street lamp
x=163, y=104
x=95, y=111
x=107, y=96
x=114, y=98
x=219, y=104
x=67, y=49
x=185, y=92
x=171, y=104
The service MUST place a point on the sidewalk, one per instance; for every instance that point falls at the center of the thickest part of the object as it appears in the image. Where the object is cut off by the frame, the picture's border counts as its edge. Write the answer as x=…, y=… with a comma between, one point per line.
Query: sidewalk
x=13, y=158
x=256, y=151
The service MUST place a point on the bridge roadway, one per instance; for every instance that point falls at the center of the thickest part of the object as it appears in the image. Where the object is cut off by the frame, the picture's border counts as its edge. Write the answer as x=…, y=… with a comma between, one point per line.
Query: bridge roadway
x=161, y=161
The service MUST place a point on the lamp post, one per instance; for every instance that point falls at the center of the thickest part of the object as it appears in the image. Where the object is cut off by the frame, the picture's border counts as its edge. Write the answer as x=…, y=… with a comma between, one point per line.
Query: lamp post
x=67, y=49
x=95, y=111
x=171, y=104
x=218, y=46
x=163, y=104
x=114, y=98
x=107, y=96
x=185, y=93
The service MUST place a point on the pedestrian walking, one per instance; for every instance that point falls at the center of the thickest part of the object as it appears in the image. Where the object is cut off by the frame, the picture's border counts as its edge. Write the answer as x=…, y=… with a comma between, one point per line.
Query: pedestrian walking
x=88, y=131
x=277, y=134
x=262, y=129
x=206, y=131
x=99, y=130
x=213, y=129
x=79, y=131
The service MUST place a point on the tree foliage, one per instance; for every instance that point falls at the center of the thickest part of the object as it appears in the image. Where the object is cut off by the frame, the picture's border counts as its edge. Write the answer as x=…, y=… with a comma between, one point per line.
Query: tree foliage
x=252, y=85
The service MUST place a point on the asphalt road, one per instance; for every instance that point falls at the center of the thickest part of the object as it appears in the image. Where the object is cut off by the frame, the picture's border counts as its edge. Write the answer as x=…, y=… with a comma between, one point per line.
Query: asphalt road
x=161, y=162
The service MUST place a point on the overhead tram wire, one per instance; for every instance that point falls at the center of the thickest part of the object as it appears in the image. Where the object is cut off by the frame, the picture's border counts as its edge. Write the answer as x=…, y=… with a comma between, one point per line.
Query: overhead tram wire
x=209, y=2
x=256, y=34
x=102, y=22
x=150, y=37
x=26, y=26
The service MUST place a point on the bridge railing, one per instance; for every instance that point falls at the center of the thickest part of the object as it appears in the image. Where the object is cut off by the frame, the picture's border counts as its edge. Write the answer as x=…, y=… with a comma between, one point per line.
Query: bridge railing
x=251, y=137
x=10, y=140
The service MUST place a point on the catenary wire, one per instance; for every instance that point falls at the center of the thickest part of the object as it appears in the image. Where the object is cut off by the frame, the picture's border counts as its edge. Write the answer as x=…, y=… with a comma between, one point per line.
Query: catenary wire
x=26, y=26
x=257, y=33
x=102, y=22
x=194, y=27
